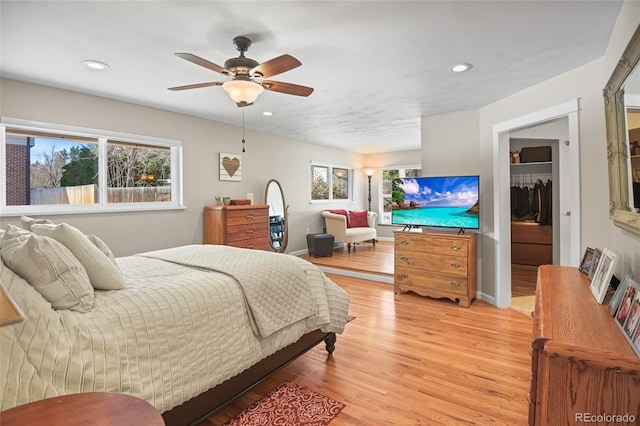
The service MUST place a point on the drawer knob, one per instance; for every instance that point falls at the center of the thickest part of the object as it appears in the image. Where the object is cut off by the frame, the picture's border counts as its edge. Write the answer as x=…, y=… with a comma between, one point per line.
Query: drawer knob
x=250, y=231
x=455, y=283
x=405, y=258
x=404, y=275
x=455, y=247
x=455, y=265
x=249, y=216
x=404, y=242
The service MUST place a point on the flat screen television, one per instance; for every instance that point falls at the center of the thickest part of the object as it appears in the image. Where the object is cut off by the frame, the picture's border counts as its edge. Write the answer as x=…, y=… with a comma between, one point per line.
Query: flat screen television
x=439, y=201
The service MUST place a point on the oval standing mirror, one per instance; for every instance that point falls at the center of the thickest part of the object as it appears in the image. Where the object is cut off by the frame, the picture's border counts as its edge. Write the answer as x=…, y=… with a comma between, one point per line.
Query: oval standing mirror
x=278, y=231
x=622, y=97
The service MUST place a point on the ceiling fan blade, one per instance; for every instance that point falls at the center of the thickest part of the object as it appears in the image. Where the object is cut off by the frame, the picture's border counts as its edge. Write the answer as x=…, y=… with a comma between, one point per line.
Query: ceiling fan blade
x=197, y=86
x=276, y=66
x=288, y=88
x=204, y=63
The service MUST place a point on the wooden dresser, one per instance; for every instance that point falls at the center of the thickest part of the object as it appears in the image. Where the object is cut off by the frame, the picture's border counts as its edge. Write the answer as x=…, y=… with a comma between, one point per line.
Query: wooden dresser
x=436, y=265
x=531, y=243
x=238, y=226
x=581, y=364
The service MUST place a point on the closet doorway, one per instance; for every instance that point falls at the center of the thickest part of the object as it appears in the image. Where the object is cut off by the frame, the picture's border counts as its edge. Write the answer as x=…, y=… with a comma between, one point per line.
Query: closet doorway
x=559, y=126
x=534, y=240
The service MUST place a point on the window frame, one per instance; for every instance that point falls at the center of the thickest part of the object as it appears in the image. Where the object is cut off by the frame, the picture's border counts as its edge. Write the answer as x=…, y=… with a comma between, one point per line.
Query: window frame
x=103, y=136
x=382, y=216
x=330, y=167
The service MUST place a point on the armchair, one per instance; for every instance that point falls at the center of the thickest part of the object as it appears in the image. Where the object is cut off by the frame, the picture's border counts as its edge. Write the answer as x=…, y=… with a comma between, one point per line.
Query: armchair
x=337, y=224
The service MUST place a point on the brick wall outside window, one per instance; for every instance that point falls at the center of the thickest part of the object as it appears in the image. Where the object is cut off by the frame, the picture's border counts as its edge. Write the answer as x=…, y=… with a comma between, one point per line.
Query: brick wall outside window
x=17, y=175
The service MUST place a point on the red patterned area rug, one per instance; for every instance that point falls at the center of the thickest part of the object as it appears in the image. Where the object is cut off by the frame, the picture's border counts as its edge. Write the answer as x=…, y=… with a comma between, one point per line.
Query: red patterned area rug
x=289, y=404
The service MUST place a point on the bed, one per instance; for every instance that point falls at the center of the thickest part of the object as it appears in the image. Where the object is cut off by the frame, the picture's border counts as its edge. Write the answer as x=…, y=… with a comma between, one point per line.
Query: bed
x=186, y=329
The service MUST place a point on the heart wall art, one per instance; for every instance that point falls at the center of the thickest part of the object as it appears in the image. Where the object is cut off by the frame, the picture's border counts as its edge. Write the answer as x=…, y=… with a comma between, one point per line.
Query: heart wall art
x=230, y=167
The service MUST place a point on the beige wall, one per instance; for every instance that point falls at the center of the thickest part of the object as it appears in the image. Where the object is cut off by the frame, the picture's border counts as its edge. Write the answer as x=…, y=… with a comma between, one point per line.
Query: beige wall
x=266, y=157
x=584, y=83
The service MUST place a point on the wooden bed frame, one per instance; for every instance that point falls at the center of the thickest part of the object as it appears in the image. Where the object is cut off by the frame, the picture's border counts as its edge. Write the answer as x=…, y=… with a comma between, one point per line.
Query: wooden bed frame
x=203, y=405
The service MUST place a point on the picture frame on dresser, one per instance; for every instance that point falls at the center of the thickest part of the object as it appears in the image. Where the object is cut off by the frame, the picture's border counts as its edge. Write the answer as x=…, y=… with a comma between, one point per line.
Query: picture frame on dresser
x=628, y=315
x=617, y=296
x=587, y=260
x=602, y=275
x=594, y=263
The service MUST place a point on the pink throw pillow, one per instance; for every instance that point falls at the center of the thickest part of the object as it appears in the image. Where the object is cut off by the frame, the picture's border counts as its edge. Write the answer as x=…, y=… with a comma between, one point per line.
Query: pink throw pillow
x=343, y=213
x=358, y=219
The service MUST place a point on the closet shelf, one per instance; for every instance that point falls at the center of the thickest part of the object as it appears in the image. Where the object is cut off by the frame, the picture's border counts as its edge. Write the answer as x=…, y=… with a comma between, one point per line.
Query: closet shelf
x=531, y=168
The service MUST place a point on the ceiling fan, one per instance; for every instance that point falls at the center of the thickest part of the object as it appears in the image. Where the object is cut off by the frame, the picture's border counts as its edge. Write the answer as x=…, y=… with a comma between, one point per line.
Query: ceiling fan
x=248, y=76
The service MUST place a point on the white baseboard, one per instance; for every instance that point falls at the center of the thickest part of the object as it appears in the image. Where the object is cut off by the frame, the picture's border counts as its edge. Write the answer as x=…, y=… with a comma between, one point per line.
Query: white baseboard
x=363, y=275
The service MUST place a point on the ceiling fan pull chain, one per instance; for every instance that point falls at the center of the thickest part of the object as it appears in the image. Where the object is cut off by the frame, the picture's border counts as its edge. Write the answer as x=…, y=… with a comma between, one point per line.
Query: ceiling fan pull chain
x=243, y=129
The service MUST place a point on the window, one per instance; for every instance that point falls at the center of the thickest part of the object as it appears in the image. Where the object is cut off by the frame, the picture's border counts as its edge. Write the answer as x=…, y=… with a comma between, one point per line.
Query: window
x=330, y=183
x=59, y=169
x=388, y=178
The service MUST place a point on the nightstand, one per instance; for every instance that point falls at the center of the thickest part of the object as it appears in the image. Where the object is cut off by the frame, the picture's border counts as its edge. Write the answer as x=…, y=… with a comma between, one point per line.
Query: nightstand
x=94, y=408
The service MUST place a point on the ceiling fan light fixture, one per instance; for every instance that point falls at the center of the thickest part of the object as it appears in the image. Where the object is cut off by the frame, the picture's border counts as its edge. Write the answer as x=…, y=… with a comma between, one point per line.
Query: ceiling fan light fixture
x=242, y=91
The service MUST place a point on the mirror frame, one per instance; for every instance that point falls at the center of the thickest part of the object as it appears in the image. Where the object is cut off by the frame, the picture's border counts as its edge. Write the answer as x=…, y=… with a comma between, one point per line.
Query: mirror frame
x=285, y=209
x=617, y=147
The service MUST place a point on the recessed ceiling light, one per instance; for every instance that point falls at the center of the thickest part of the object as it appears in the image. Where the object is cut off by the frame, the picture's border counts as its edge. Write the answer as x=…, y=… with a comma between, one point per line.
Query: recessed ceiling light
x=460, y=67
x=95, y=65
x=267, y=113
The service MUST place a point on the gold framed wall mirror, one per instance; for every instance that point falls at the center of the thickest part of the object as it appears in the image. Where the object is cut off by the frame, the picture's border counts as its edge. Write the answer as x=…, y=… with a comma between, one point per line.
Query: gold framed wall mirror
x=622, y=103
x=278, y=226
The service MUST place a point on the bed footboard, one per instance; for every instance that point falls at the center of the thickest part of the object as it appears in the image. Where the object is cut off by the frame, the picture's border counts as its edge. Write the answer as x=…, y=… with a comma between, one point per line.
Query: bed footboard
x=203, y=405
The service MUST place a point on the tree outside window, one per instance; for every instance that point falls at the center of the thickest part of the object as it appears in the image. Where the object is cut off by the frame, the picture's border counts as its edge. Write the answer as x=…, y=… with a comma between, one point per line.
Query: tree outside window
x=330, y=183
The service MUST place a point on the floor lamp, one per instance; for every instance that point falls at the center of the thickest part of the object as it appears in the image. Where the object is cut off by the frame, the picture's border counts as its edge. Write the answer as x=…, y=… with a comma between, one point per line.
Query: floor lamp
x=369, y=172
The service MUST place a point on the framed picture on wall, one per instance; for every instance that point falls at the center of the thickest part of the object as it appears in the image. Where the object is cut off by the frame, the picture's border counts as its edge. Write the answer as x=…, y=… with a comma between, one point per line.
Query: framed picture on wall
x=230, y=167
x=587, y=260
x=602, y=275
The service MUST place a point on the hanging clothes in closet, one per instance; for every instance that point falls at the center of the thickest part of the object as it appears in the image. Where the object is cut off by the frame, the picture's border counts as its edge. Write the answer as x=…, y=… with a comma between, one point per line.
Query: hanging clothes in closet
x=531, y=199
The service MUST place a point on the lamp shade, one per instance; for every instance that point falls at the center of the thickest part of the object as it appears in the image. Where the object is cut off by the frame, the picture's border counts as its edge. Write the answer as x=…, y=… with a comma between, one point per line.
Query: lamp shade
x=9, y=312
x=369, y=171
x=242, y=90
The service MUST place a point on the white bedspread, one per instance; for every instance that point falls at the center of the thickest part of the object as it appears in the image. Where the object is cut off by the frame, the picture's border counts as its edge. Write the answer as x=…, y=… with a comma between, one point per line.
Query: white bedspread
x=174, y=332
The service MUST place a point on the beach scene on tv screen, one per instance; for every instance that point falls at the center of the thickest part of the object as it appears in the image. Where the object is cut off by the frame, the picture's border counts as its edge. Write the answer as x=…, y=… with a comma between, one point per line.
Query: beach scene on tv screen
x=436, y=201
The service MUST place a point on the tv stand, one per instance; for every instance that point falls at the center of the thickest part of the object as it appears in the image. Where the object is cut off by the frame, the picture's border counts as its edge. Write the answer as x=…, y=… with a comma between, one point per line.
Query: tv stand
x=461, y=231
x=410, y=227
x=436, y=264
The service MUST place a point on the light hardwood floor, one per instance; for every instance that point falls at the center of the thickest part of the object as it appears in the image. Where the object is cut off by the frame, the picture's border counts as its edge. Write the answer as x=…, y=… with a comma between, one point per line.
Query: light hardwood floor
x=410, y=360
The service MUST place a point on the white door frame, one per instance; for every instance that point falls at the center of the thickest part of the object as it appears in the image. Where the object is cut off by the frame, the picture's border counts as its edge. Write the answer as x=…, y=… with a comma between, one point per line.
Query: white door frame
x=569, y=208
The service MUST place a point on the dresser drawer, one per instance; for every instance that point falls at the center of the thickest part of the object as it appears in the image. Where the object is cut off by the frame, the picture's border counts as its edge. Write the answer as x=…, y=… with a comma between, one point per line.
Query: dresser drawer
x=245, y=232
x=441, y=245
x=456, y=265
x=431, y=280
x=255, y=244
x=242, y=217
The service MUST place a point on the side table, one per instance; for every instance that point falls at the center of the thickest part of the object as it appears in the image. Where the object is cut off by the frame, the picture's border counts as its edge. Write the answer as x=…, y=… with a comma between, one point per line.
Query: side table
x=94, y=408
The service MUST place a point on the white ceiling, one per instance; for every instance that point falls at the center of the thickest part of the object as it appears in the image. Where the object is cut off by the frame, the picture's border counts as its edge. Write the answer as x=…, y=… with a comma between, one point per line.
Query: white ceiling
x=376, y=66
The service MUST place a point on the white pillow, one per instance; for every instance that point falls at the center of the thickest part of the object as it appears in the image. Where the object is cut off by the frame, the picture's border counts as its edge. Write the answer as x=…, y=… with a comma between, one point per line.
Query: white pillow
x=103, y=273
x=103, y=247
x=49, y=267
x=27, y=221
